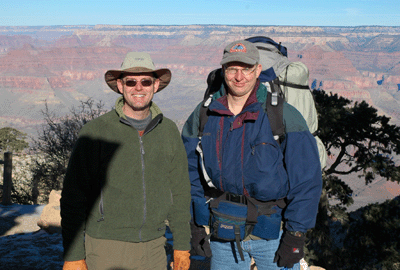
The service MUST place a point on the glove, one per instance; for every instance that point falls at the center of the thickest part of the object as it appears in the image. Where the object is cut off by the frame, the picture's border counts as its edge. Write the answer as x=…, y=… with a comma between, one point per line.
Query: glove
x=290, y=251
x=75, y=265
x=200, y=245
x=181, y=260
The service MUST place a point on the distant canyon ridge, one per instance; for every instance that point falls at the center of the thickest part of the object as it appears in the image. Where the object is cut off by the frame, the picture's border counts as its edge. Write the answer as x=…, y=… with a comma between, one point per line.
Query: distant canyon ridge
x=63, y=65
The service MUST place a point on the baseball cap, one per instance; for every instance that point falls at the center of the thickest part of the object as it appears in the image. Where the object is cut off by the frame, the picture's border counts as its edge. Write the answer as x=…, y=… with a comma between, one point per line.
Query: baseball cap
x=241, y=51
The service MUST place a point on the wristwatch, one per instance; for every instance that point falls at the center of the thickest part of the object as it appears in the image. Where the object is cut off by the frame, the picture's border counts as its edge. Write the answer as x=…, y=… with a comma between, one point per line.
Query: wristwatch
x=297, y=233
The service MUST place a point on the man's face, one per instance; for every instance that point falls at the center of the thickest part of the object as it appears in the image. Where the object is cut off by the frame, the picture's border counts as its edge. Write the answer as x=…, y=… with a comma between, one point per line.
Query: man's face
x=138, y=91
x=241, y=78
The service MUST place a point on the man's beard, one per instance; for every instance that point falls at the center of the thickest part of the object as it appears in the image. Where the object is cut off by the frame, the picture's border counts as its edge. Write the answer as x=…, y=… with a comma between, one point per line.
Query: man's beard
x=142, y=108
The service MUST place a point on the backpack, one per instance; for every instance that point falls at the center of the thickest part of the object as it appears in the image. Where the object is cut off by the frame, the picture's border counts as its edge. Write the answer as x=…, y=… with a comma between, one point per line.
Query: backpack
x=289, y=80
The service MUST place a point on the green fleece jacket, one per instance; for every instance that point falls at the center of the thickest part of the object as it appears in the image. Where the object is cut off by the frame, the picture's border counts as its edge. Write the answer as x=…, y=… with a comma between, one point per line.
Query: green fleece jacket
x=121, y=186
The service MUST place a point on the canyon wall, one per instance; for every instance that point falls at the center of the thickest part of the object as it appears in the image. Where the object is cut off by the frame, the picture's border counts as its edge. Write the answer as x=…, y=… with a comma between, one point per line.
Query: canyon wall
x=62, y=65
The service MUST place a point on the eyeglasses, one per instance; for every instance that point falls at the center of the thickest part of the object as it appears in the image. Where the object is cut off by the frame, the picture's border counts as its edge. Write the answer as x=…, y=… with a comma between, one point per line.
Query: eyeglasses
x=245, y=71
x=143, y=82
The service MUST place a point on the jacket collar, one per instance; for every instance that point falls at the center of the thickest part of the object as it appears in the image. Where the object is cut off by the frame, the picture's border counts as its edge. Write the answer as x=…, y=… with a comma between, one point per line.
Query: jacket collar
x=221, y=106
x=156, y=114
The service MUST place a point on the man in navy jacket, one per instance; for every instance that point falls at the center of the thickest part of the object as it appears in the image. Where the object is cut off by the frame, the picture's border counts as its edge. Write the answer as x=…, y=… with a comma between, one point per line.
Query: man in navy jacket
x=241, y=156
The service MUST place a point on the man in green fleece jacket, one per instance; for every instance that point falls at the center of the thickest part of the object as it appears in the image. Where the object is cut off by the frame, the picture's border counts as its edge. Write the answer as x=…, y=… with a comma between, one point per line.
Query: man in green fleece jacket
x=126, y=176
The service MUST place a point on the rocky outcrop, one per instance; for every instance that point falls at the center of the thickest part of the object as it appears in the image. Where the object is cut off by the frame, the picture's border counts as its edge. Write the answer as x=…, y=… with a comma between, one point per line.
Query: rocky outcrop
x=393, y=79
x=59, y=82
x=21, y=82
x=50, y=219
x=355, y=95
x=326, y=64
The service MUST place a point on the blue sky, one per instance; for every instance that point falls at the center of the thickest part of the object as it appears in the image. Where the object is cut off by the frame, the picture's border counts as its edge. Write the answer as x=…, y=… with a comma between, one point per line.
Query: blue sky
x=232, y=12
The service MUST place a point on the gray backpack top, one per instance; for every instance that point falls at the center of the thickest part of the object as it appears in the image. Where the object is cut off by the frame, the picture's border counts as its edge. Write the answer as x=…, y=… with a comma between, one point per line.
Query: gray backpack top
x=289, y=80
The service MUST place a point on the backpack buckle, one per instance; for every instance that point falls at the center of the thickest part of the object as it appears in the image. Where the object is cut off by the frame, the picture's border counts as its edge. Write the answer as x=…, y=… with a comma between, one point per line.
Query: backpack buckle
x=274, y=99
x=236, y=198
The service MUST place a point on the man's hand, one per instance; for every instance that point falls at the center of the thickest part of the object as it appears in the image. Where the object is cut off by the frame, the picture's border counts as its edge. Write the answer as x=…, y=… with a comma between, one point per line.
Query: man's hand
x=290, y=251
x=75, y=265
x=181, y=260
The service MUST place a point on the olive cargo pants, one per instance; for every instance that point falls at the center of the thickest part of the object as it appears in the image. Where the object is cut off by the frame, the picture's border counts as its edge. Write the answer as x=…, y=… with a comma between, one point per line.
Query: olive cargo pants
x=102, y=254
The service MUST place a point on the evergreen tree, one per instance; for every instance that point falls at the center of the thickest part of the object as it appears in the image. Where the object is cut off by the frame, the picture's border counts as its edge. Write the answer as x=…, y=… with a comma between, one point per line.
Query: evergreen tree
x=357, y=137
x=358, y=141
x=373, y=240
x=12, y=140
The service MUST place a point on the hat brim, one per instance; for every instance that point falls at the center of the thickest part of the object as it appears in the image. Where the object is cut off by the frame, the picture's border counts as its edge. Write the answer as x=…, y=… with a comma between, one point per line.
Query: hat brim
x=163, y=74
x=238, y=58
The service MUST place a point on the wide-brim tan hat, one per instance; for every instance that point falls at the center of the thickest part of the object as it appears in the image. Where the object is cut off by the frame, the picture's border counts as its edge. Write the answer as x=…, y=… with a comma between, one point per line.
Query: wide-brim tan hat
x=138, y=62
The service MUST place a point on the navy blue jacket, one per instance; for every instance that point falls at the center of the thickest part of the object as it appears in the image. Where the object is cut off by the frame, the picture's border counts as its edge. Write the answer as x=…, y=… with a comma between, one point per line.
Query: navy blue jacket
x=242, y=157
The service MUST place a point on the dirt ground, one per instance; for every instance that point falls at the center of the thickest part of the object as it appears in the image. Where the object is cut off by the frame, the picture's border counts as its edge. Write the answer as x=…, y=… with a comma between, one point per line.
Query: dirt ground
x=24, y=246
x=19, y=219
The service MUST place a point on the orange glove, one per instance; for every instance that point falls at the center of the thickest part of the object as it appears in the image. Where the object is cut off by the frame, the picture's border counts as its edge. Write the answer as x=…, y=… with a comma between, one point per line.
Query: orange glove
x=75, y=265
x=181, y=260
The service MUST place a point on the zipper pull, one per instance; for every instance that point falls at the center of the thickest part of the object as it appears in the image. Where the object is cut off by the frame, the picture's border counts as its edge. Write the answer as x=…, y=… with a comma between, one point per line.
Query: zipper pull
x=209, y=200
x=141, y=145
x=208, y=101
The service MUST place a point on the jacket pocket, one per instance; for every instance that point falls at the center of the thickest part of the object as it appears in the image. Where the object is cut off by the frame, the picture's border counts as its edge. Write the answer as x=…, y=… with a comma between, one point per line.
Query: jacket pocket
x=267, y=178
x=201, y=211
x=268, y=226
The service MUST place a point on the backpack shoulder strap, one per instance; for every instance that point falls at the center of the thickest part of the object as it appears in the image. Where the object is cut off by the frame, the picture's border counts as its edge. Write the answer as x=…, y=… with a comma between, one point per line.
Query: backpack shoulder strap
x=275, y=115
x=214, y=82
x=275, y=90
x=203, y=116
x=293, y=85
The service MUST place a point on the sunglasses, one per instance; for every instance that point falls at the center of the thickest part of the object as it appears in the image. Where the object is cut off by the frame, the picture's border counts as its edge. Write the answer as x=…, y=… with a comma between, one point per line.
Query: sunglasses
x=143, y=82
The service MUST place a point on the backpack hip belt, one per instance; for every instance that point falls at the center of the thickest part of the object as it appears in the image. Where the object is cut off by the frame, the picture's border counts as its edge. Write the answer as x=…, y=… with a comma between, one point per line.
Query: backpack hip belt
x=233, y=217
